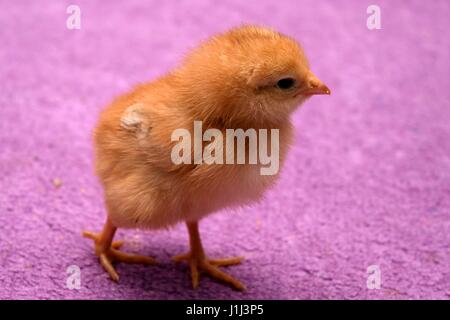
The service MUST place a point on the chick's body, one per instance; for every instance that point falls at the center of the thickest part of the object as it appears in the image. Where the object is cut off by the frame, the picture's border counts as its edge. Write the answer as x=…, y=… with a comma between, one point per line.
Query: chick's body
x=231, y=81
x=143, y=188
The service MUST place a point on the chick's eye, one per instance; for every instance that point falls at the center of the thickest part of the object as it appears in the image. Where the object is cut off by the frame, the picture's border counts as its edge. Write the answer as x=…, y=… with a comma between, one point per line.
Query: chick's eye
x=286, y=83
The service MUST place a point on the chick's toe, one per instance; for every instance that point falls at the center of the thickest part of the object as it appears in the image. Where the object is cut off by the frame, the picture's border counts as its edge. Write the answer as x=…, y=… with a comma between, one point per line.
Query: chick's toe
x=107, y=251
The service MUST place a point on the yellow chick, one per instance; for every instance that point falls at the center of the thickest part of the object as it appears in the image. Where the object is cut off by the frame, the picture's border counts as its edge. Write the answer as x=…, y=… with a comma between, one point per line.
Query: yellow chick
x=248, y=78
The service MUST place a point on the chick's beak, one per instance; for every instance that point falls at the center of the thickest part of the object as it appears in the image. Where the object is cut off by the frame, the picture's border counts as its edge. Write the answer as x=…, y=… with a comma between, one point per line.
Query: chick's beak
x=314, y=86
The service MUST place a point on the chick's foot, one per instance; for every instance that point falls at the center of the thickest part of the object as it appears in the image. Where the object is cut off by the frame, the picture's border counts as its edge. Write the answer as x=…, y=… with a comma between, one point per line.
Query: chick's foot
x=199, y=263
x=210, y=267
x=107, y=251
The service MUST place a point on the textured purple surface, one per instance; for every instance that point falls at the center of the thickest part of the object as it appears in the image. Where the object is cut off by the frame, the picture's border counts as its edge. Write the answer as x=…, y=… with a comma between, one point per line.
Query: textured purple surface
x=366, y=183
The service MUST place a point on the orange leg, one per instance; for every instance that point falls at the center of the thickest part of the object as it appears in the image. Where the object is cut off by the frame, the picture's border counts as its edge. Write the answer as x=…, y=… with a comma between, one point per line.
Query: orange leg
x=199, y=262
x=107, y=251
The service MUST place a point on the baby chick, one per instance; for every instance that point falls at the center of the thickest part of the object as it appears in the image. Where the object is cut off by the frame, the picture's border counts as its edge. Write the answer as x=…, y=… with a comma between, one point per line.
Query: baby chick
x=248, y=77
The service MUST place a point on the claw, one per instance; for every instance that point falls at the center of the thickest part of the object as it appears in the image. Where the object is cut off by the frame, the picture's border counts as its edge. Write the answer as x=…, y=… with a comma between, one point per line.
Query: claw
x=226, y=262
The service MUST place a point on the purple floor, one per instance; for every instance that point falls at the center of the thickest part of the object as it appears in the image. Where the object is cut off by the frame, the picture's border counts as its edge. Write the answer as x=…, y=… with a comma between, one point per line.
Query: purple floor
x=366, y=183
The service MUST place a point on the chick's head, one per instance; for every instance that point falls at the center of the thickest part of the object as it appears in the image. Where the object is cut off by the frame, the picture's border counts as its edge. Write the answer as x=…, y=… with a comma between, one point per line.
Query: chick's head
x=250, y=74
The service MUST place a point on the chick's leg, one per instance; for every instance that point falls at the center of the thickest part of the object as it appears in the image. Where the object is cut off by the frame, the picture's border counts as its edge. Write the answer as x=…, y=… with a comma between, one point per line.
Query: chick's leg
x=198, y=261
x=107, y=251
